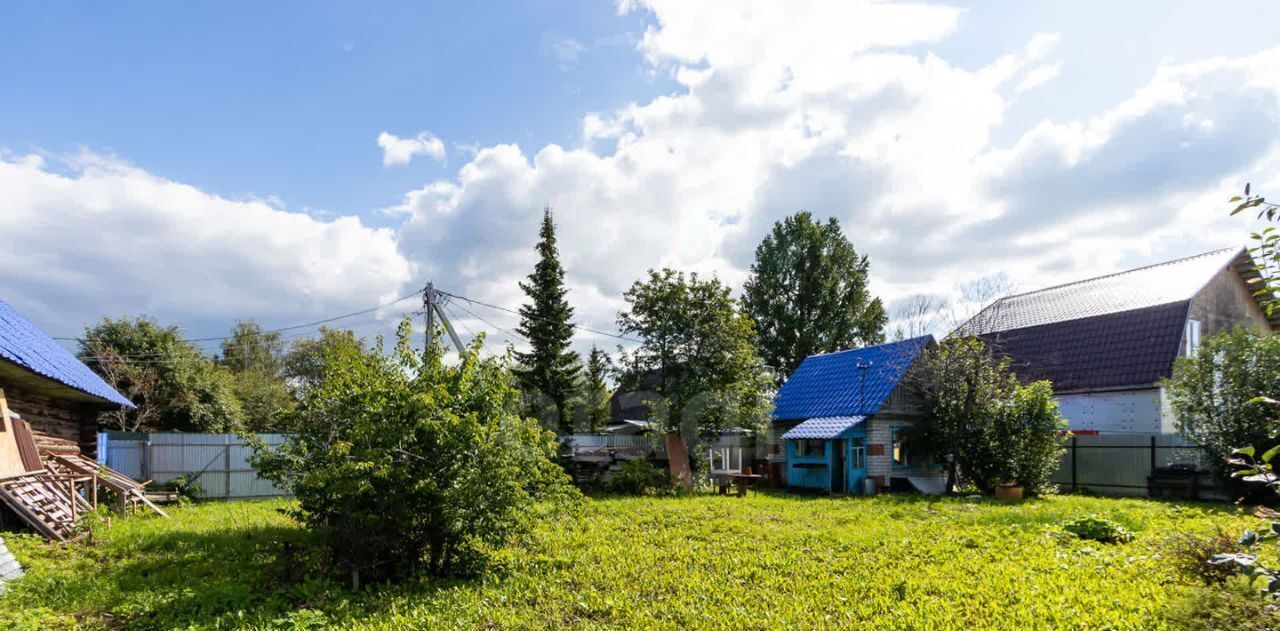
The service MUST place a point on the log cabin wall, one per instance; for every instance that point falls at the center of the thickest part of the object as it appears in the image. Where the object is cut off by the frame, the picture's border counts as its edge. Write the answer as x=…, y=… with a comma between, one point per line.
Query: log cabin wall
x=58, y=425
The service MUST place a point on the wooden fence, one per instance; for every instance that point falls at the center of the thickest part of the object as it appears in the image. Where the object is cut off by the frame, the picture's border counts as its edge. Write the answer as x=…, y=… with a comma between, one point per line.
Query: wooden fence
x=217, y=463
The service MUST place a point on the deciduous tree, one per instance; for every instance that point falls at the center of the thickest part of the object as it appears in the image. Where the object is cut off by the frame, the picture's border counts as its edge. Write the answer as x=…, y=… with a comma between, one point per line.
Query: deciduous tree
x=702, y=348
x=808, y=293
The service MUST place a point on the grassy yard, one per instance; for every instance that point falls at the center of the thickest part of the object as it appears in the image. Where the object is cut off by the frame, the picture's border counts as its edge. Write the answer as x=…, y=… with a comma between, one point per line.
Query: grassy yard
x=769, y=561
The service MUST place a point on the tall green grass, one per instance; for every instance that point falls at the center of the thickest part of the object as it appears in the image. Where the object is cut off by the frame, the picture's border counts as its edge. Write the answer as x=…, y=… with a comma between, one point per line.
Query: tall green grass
x=767, y=561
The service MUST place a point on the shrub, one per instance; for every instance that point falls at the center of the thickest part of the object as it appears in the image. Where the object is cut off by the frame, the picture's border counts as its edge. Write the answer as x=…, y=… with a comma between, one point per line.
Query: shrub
x=996, y=430
x=1189, y=554
x=406, y=464
x=1234, y=605
x=1216, y=395
x=640, y=477
x=1100, y=529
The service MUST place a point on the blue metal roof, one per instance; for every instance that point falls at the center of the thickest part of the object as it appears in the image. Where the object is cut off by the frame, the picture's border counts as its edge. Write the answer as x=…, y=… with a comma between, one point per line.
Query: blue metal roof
x=826, y=427
x=846, y=383
x=22, y=343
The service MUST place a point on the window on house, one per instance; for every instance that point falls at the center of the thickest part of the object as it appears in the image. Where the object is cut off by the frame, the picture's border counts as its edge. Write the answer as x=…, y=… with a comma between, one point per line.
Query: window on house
x=810, y=449
x=901, y=451
x=858, y=453
x=1191, y=338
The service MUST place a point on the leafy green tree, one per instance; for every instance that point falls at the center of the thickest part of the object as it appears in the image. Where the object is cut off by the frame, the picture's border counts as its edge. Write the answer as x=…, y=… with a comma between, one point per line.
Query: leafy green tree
x=185, y=390
x=990, y=429
x=808, y=293
x=256, y=361
x=701, y=347
x=405, y=464
x=249, y=348
x=549, y=368
x=303, y=365
x=1215, y=393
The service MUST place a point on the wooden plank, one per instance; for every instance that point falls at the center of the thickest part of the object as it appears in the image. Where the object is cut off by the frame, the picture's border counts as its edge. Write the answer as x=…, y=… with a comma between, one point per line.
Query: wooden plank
x=26, y=444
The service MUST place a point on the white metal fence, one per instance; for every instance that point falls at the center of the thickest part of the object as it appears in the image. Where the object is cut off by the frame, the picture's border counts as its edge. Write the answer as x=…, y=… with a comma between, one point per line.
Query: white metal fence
x=217, y=463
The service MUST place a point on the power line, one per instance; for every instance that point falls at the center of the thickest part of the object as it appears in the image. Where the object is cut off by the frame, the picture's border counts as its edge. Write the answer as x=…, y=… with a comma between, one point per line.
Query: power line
x=282, y=329
x=473, y=335
x=513, y=311
x=511, y=335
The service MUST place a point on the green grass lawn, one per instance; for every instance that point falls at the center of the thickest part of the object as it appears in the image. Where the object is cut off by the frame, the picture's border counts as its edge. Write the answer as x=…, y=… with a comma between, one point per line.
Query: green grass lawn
x=768, y=561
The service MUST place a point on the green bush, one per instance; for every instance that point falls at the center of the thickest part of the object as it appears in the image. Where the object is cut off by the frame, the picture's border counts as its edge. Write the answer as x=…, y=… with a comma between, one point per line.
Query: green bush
x=640, y=477
x=1216, y=396
x=406, y=464
x=1098, y=529
x=996, y=430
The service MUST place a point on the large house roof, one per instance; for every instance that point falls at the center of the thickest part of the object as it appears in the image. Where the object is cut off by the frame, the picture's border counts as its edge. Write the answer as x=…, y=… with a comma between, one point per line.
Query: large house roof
x=1161, y=284
x=1129, y=348
x=846, y=383
x=27, y=347
x=1117, y=330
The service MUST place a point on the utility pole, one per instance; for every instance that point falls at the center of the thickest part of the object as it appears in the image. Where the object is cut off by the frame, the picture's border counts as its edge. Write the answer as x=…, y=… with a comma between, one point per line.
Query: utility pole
x=431, y=305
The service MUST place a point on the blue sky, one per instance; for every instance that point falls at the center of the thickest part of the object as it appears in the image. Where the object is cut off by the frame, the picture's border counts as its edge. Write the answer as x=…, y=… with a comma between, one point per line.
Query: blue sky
x=283, y=99
x=203, y=162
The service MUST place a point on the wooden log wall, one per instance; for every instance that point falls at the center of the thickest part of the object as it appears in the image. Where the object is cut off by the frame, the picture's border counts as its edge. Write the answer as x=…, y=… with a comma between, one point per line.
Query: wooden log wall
x=57, y=425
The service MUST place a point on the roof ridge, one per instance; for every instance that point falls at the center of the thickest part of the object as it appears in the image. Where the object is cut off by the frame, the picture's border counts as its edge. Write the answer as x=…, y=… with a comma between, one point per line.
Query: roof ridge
x=866, y=348
x=1114, y=274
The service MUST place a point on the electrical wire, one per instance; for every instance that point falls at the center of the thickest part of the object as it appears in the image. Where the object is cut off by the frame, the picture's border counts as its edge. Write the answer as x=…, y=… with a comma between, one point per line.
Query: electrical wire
x=513, y=311
x=293, y=327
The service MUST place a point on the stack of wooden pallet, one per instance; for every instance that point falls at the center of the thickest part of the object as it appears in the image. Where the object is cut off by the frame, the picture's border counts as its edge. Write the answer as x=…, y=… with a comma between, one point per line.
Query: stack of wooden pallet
x=47, y=502
x=129, y=493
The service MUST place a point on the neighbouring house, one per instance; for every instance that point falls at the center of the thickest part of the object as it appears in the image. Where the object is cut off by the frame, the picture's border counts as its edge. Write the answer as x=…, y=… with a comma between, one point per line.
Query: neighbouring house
x=1107, y=343
x=44, y=385
x=844, y=417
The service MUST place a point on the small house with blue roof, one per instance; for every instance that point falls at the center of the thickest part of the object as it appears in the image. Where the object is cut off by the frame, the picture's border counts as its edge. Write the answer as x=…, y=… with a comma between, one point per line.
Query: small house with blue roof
x=57, y=396
x=844, y=417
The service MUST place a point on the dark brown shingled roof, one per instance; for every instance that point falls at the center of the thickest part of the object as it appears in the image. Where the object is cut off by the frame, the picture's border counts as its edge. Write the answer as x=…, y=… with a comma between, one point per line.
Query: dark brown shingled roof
x=1128, y=348
x=1122, y=329
x=1149, y=286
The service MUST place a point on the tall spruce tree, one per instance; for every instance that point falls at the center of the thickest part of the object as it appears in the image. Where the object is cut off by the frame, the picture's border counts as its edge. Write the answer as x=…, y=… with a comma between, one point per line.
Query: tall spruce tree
x=549, y=368
x=808, y=293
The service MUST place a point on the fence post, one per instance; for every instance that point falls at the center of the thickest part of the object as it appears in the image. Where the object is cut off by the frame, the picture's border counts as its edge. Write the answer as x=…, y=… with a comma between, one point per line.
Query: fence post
x=146, y=459
x=1075, y=441
x=1153, y=453
x=226, y=464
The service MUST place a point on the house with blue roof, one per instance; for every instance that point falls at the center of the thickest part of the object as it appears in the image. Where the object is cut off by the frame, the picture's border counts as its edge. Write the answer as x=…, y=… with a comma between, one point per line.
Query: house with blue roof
x=57, y=396
x=843, y=418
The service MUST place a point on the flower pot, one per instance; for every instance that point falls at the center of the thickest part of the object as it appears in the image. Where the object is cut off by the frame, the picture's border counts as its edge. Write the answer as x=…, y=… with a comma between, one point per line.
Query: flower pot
x=1008, y=492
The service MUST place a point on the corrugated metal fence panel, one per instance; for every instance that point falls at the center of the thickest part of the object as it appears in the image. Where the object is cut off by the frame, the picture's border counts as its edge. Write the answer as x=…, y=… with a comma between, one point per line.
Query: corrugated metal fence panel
x=219, y=463
x=125, y=456
x=1119, y=464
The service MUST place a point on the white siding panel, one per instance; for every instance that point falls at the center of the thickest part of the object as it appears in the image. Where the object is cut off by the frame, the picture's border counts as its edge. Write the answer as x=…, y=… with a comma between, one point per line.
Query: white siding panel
x=1121, y=412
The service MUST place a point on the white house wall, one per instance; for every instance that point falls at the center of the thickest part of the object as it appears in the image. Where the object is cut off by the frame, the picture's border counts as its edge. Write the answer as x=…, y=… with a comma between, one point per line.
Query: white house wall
x=1118, y=412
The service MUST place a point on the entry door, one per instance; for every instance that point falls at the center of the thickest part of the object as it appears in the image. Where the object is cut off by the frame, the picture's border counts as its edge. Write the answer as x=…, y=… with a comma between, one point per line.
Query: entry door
x=857, y=463
x=837, y=467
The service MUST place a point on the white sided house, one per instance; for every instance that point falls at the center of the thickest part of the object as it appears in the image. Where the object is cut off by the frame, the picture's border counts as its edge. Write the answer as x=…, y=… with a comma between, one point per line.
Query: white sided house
x=1107, y=343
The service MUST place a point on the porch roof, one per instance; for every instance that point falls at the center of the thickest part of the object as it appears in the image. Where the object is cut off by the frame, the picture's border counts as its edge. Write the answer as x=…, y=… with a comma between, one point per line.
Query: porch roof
x=825, y=427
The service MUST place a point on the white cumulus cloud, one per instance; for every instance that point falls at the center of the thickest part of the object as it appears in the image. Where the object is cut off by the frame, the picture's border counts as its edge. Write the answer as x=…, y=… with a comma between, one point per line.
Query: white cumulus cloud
x=397, y=150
